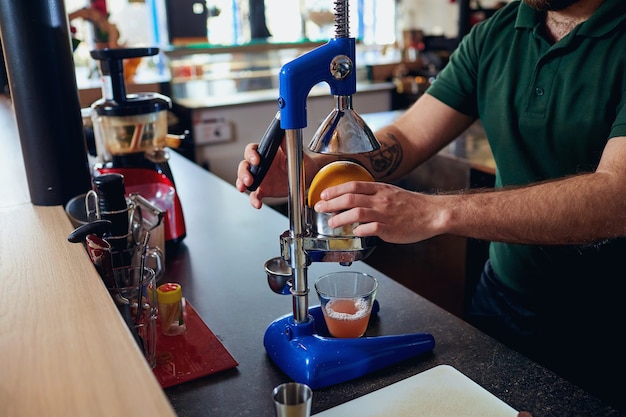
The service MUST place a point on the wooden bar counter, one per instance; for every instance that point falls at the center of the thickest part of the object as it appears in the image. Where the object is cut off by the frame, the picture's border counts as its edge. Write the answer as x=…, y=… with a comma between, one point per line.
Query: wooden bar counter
x=66, y=351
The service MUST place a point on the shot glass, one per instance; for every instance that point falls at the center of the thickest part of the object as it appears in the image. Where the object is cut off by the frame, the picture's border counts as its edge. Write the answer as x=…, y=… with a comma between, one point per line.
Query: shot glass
x=346, y=300
x=292, y=399
x=136, y=298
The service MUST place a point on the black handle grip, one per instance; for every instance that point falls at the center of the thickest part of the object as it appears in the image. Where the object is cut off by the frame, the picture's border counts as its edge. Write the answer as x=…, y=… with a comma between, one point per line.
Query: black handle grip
x=97, y=227
x=267, y=150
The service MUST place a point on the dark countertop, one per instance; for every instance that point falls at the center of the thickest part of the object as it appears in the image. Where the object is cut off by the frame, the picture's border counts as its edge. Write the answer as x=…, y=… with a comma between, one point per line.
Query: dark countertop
x=220, y=267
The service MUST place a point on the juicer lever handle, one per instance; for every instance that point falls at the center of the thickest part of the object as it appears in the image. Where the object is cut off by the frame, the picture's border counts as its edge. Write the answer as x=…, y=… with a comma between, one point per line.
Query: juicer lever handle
x=270, y=142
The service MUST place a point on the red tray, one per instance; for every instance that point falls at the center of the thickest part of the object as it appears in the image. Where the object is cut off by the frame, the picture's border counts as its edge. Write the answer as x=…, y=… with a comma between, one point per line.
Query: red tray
x=191, y=355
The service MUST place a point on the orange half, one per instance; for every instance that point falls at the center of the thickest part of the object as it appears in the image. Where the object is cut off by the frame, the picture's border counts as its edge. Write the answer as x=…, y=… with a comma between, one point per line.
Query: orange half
x=336, y=173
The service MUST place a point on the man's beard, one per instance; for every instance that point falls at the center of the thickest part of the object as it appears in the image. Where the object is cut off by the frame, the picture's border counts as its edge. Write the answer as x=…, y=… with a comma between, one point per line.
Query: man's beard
x=547, y=5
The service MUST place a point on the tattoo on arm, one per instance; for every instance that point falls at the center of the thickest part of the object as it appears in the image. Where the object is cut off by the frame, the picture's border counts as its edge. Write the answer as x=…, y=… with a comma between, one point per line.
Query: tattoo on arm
x=386, y=160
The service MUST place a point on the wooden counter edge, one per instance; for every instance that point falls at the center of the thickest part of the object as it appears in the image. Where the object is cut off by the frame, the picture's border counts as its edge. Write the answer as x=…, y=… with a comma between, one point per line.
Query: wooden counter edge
x=65, y=349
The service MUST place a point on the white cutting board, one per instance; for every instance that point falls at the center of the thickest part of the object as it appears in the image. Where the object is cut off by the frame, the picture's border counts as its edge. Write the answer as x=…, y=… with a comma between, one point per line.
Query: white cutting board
x=441, y=391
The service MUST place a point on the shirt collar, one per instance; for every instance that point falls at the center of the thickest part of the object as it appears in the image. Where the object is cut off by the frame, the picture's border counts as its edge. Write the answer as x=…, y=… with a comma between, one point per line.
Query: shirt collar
x=609, y=15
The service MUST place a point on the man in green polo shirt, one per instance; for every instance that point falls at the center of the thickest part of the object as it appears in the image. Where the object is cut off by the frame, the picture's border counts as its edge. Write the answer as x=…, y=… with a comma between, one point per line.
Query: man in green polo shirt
x=547, y=79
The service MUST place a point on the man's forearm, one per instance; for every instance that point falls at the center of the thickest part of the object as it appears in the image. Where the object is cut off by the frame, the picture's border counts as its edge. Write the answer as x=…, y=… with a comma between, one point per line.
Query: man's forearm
x=576, y=210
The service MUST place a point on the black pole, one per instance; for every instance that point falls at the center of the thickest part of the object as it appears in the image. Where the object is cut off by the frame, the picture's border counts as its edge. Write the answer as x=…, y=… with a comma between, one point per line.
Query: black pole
x=37, y=47
x=464, y=19
x=258, y=26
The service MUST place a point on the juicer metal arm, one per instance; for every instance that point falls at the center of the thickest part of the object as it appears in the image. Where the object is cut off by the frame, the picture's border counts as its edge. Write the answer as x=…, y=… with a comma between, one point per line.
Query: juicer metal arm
x=296, y=80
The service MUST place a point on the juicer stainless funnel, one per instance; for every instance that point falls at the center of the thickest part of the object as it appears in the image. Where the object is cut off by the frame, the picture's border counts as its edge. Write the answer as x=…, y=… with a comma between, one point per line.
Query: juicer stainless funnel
x=298, y=343
x=343, y=132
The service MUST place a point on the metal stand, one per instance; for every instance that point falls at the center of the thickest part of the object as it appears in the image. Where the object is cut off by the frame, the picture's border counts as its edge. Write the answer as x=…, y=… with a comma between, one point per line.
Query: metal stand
x=299, y=343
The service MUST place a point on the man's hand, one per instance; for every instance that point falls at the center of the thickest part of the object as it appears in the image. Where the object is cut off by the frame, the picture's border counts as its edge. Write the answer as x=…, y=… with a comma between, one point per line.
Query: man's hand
x=393, y=214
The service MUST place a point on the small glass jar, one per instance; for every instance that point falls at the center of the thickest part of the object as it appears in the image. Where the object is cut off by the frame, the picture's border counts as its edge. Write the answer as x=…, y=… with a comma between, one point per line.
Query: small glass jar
x=171, y=309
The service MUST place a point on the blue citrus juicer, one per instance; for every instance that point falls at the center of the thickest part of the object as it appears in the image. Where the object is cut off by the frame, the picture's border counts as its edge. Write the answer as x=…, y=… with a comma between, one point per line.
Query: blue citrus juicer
x=299, y=343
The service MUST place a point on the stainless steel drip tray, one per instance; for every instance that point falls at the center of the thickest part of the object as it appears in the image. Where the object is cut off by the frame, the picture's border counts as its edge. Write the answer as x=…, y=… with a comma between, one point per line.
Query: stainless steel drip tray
x=321, y=248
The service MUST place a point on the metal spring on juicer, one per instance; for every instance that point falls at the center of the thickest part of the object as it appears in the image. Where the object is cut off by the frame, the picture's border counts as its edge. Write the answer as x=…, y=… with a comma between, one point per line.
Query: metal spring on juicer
x=342, y=24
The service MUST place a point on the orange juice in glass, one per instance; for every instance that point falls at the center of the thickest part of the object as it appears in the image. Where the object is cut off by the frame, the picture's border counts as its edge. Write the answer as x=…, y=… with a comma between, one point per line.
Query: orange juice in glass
x=346, y=300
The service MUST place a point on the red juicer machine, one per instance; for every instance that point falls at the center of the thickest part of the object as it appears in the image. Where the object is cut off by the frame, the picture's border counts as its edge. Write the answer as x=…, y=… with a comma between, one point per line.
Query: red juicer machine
x=131, y=136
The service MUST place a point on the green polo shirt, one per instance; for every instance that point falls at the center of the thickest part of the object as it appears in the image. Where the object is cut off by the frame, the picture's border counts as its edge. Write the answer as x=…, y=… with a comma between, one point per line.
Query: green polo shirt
x=548, y=110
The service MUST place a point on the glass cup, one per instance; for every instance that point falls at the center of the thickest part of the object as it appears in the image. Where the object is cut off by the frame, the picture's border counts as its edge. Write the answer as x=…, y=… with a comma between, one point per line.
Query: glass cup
x=346, y=300
x=292, y=399
x=131, y=256
x=136, y=298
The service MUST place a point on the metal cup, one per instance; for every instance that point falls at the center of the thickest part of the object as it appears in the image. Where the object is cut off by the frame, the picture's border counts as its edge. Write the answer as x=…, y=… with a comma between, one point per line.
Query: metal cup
x=279, y=275
x=292, y=399
x=319, y=224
